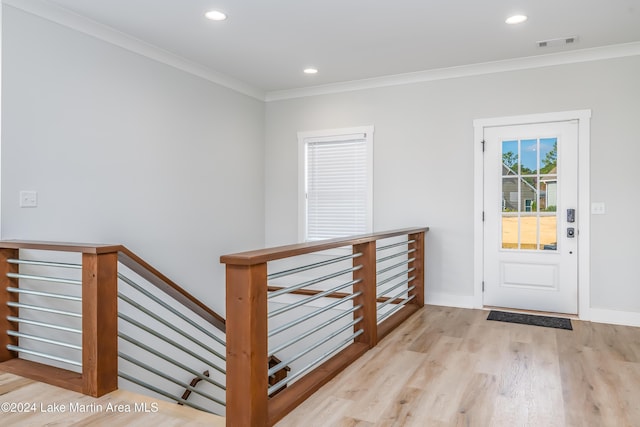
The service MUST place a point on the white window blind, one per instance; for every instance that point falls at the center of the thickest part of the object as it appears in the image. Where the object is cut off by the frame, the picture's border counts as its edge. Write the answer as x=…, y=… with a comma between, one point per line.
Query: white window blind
x=337, y=185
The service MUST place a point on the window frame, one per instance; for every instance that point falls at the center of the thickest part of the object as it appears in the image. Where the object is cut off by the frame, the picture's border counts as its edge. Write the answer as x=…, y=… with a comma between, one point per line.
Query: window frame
x=332, y=134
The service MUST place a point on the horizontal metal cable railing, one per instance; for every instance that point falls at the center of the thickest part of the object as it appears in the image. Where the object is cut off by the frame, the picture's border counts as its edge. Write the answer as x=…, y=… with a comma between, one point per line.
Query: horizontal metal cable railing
x=90, y=314
x=100, y=316
x=395, y=275
x=304, y=331
x=163, y=346
x=47, y=318
x=310, y=310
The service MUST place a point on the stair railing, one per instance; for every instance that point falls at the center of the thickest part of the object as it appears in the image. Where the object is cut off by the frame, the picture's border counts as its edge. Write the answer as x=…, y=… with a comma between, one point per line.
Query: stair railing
x=102, y=317
x=164, y=342
x=320, y=306
x=81, y=337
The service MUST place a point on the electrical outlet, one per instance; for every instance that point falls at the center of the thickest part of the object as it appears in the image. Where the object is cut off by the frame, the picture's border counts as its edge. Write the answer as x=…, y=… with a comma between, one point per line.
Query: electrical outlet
x=28, y=199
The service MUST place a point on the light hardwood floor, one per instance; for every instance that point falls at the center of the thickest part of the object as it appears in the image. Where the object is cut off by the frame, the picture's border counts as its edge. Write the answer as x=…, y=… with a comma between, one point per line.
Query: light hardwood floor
x=36, y=404
x=451, y=367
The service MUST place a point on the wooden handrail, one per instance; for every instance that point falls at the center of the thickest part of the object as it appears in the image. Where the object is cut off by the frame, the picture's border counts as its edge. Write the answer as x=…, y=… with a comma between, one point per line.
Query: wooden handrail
x=246, y=287
x=288, y=251
x=247, y=401
x=85, y=248
x=162, y=282
x=133, y=262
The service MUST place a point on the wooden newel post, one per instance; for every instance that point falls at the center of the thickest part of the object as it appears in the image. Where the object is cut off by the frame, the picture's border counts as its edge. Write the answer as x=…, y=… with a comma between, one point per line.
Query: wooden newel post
x=247, y=367
x=367, y=285
x=99, y=323
x=418, y=264
x=6, y=296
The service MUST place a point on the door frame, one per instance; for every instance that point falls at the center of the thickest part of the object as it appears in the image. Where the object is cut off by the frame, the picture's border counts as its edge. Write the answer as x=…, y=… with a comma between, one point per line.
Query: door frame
x=584, y=125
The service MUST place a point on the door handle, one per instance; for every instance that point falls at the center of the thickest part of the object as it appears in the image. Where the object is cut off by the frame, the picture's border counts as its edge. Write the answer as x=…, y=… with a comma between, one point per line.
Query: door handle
x=571, y=232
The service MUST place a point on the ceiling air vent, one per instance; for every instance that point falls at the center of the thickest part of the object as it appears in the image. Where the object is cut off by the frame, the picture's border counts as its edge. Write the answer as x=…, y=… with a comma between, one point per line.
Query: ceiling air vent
x=562, y=41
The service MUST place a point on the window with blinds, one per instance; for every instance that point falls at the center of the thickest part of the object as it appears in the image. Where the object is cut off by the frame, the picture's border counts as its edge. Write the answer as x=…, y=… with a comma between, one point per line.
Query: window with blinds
x=337, y=183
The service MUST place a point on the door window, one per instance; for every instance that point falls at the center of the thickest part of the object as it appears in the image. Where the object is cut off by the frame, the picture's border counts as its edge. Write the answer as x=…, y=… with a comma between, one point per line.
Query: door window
x=529, y=194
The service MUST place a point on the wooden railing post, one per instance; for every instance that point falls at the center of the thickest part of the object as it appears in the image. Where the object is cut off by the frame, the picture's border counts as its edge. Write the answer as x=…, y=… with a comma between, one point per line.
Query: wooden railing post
x=6, y=296
x=367, y=285
x=418, y=264
x=247, y=402
x=247, y=370
x=99, y=323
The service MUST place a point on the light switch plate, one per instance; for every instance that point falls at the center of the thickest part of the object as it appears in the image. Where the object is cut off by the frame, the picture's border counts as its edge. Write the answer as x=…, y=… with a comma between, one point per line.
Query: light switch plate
x=28, y=199
x=597, y=208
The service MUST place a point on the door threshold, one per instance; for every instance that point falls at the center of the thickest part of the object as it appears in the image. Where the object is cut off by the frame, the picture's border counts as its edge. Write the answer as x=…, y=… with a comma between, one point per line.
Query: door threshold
x=533, y=312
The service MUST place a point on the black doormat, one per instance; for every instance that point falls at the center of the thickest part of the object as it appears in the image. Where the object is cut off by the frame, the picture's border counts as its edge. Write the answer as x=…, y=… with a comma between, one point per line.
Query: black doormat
x=529, y=319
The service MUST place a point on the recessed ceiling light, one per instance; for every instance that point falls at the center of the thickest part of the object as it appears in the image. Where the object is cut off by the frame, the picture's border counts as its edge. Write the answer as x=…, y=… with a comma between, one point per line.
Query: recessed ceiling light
x=310, y=70
x=516, y=19
x=216, y=15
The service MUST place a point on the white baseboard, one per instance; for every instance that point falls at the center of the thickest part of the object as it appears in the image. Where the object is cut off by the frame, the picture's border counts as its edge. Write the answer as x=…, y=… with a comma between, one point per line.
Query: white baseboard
x=449, y=300
x=615, y=317
x=598, y=315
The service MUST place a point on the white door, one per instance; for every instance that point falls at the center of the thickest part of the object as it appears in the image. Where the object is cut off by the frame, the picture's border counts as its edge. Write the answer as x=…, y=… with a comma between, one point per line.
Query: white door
x=530, y=216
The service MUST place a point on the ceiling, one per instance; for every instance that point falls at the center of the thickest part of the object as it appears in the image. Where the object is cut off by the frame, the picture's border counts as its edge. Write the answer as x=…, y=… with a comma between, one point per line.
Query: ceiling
x=267, y=44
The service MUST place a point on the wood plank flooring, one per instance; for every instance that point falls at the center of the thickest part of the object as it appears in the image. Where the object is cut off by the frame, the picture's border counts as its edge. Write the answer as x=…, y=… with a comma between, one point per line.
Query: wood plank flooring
x=45, y=404
x=451, y=367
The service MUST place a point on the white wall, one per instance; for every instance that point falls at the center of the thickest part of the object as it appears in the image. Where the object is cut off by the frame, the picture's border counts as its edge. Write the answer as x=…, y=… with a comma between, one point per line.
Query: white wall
x=423, y=162
x=123, y=149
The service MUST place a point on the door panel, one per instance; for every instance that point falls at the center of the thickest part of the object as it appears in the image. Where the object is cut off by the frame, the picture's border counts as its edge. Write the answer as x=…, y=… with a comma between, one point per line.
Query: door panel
x=530, y=180
x=530, y=276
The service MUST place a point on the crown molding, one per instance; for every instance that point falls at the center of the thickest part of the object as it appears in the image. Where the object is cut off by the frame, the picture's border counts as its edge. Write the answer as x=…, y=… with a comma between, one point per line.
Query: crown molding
x=67, y=18
x=62, y=16
x=530, y=62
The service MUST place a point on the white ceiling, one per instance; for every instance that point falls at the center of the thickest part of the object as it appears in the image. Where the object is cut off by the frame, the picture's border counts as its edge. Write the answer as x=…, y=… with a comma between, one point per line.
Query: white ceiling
x=266, y=44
